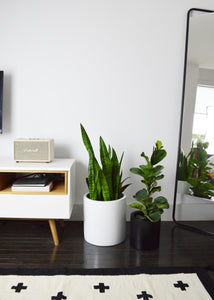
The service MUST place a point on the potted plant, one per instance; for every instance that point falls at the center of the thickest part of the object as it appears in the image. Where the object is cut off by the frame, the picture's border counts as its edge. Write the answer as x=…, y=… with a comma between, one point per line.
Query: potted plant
x=145, y=222
x=105, y=203
x=200, y=181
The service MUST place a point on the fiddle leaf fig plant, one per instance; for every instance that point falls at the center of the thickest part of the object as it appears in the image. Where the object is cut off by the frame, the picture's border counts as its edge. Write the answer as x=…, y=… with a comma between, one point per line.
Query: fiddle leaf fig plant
x=105, y=181
x=150, y=208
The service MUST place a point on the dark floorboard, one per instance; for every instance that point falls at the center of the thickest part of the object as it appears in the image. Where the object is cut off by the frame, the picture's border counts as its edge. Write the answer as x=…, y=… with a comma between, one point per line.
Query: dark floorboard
x=29, y=244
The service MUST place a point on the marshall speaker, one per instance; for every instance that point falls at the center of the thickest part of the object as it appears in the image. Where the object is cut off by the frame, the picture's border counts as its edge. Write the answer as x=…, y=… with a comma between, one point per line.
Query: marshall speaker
x=33, y=150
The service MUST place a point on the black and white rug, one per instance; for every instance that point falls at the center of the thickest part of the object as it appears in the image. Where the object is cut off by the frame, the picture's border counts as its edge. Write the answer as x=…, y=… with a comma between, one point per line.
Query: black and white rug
x=111, y=284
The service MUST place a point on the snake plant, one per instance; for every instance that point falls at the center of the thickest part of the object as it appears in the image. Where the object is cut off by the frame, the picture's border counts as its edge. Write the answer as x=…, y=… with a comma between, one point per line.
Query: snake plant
x=150, y=208
x=105, y=181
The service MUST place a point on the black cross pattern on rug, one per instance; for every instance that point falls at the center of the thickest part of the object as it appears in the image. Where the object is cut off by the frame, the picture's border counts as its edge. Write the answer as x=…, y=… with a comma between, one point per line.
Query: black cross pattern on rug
x=19, y=287
x=144, y=296
x=101, y=287
x=181, y=285
x=59, y=296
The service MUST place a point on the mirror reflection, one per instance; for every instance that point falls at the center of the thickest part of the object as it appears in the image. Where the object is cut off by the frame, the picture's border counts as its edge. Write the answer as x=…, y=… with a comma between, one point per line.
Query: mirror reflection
x=195, y=174
x=199, y=86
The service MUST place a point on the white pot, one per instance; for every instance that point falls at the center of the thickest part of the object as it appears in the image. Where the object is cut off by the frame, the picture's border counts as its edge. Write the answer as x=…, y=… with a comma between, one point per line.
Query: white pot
x=183, y=187
x=104, y=221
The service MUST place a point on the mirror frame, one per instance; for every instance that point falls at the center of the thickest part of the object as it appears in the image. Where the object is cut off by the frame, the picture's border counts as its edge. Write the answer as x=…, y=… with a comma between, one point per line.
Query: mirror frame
x=184, y=226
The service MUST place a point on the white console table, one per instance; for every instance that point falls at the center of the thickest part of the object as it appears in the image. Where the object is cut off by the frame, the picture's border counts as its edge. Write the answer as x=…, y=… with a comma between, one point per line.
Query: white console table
x=56, y=204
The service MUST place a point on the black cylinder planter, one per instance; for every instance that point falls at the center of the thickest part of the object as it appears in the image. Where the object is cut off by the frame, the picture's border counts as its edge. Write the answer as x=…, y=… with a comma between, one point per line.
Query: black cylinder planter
x=144, y=235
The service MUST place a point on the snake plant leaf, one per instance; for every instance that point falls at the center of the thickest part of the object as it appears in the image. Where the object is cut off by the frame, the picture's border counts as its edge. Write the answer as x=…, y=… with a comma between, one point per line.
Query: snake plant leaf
x=87, y=141
x=122, y=189
x=93, y=178
x=105, y=187
x=106, y=166
x=93, y=170
x=116, y=176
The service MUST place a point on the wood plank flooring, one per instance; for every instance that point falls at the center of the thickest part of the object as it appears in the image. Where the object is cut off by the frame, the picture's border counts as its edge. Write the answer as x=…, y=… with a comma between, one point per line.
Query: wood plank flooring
x=29, y=244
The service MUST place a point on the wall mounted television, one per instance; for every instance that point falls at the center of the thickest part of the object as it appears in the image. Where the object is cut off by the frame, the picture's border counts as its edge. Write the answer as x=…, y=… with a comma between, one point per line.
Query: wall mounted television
x=1, y=98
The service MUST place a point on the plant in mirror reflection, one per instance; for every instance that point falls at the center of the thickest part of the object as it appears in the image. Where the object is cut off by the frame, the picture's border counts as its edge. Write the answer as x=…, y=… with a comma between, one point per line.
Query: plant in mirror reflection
x=184, y=168
x=199, y=180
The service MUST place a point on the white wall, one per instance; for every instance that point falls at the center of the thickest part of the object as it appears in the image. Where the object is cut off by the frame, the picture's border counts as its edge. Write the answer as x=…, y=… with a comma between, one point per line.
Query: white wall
x=116, y=66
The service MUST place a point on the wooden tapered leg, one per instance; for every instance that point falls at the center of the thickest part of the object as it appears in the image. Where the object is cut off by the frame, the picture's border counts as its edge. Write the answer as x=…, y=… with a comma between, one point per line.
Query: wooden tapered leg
x=53, y=229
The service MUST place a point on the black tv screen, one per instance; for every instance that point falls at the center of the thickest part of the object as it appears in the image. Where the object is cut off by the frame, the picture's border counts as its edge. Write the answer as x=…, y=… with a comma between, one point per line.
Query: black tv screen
x=1, y=97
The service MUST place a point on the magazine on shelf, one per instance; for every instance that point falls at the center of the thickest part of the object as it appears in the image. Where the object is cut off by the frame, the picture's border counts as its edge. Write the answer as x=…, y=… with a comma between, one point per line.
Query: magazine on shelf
x=33, y=188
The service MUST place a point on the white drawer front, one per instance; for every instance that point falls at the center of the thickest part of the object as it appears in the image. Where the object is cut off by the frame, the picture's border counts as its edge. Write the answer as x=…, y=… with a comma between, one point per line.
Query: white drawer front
x=35, y=206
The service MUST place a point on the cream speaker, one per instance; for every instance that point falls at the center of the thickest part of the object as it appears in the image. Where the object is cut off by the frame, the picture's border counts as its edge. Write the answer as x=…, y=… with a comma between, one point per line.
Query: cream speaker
x=33, y=150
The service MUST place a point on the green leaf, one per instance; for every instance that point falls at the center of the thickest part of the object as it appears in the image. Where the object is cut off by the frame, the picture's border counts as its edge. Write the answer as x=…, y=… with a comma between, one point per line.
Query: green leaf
x=87, y=141
x=161, y=202
x=155, y=189
x=192, y=181
x=105, y=187
x=103, y=183
x=140, y=195
x=116, y=176
x=93, y=176
x=124, y=187
x=139, y=206
x=158, y=144
x=158, y=156
x=160, y=177
x=136, y=171
x=155, y=216
x=106, y=166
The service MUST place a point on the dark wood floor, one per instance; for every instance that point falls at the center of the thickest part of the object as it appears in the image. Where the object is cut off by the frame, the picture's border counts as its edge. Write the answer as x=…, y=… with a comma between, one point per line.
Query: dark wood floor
x=29, y=244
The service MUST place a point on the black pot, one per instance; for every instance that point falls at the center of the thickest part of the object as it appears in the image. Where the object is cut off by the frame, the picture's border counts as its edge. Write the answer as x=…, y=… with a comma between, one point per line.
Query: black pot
x=144, y=235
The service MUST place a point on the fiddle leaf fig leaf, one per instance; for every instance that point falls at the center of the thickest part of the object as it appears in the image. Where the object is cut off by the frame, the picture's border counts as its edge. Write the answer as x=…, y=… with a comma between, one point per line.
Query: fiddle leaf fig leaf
x=161, y=202
x=155, y=189
x=140, y=195
x=136, y=171
x=139, y=206
x=155, y=216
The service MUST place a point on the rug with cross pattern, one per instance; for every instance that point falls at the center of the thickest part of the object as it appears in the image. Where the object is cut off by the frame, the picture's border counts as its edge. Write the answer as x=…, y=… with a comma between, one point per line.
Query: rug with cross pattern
x=111, y=284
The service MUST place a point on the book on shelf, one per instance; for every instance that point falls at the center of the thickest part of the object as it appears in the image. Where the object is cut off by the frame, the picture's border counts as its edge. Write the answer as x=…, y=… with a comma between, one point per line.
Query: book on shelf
x=30, y=181
x=33, y=188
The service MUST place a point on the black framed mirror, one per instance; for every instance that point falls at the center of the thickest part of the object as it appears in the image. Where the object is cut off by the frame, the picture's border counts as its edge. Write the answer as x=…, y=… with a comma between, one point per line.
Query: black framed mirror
x=194, y=184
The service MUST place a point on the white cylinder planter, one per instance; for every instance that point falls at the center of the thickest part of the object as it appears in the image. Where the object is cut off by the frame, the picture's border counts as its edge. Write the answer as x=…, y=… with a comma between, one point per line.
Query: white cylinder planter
x=104, y=221
x=183, y=187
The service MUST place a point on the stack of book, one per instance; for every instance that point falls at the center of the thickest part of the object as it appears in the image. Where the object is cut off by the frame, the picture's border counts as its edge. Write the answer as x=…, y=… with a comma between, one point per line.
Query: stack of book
x=32, y=184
